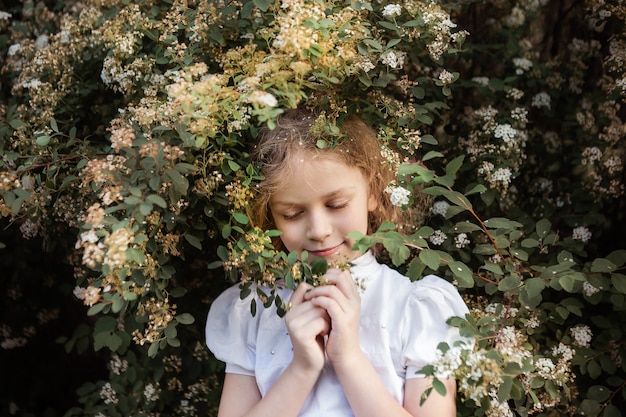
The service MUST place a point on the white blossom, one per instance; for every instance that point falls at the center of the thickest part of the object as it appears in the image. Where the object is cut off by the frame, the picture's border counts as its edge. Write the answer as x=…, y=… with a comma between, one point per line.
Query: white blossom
x=392, y=59
x=589, y=289
x=440, y=208
x=461, y=240
x=438, y=237
x=392, y=10
x=581, y=334
x=505, y=132
x=13, y=49
x=581, y=233
x=263, y=98
x=541, y=100
x=399, y=196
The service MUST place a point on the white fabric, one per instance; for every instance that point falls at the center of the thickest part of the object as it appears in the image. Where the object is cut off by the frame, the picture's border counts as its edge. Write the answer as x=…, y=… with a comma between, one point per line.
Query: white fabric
x=402, y=322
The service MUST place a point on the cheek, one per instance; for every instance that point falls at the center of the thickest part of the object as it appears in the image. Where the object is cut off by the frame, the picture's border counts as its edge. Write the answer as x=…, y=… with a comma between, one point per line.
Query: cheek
x=288, y=235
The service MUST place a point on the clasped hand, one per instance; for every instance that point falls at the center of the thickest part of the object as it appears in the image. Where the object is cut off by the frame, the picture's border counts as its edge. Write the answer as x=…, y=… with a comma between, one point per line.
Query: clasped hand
x=324, y=321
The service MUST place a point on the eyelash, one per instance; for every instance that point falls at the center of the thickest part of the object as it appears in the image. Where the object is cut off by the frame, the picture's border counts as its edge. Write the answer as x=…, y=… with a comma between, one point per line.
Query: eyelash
x=330, y=206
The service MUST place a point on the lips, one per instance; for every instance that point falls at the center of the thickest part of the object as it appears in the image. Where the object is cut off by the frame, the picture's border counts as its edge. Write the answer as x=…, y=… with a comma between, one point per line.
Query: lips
x=325, y=253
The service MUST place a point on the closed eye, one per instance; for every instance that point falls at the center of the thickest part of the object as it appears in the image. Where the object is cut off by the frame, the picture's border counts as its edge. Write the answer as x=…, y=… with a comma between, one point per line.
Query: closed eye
x=337, y=205
x=291, y=215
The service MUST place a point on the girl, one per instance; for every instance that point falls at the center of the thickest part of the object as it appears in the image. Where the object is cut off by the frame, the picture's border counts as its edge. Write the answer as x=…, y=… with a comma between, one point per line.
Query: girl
x=349, y=348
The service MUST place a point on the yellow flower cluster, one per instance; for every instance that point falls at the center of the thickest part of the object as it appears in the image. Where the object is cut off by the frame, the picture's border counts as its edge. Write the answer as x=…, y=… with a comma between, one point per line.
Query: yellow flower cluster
x=160, y=313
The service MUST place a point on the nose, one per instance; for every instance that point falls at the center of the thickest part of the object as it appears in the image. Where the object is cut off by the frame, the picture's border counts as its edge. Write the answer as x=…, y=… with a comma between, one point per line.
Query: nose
x=319, y=226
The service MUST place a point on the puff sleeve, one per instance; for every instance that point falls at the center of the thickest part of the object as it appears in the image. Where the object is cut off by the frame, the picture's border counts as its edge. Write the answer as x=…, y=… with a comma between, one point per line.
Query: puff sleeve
x=231, y=330
x=431, y=303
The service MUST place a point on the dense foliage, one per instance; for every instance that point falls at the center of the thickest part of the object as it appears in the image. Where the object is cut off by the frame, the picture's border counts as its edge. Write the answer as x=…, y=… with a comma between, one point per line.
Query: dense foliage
x=125, y=184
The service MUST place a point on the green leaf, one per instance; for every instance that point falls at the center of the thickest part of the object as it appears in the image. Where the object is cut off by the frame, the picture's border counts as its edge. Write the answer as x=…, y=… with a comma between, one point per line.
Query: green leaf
x=534, y=286
x=42, y=140
x=430, y=258
x=462, y=273
x=502, y=223
x=439, y=387
x=504, y=390
x=476, y=188
x=602, y=265
x=431, y=155
x=619, y=282
x=618, y=257
x=510, y=282
x=495, y=268
x=611, y=411
x=157, y=200
x=240, y=217
x=185, y=318
x=542, y=228
x=193, y=241
x=453, y=166
x=589, y=407
x=181, y=184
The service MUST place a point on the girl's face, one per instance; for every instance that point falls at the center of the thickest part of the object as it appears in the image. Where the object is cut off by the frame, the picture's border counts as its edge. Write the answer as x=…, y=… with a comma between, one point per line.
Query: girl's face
x=322, y=202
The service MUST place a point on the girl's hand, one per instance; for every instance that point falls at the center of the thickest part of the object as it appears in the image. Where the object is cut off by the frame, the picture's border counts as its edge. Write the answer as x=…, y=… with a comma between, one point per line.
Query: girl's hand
x=342, y=301
x=307, y=325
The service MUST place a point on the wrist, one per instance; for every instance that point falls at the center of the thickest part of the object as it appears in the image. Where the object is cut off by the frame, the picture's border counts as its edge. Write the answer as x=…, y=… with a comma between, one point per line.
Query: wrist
x=304, y=371
x=348, y=363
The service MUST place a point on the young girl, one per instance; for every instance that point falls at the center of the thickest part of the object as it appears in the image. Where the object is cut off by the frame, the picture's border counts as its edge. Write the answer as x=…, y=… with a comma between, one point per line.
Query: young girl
x=349, y=348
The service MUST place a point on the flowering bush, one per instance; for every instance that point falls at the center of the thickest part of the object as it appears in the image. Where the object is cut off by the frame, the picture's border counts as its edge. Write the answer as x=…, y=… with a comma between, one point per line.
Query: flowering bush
x=124, y=138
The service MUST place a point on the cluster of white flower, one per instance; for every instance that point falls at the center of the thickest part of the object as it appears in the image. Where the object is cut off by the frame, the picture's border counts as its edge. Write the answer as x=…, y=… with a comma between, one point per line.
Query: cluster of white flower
x=440, y=208
x=393, y=59
x=29, y=229
x=544, y=367
x=521, y=65
x=591, y=155
x=89, y=295
x=12, y=343
x=482, y=81
x=501, y=175
x=461, y=240
x=614, y=164
x=497, y=408
x=399, y=196
x=505, y=132
x=93, y=249
x=541, y=100
x=151, y=392
x=108, y=394
x=438, y=237
x=581, y=233
x=589, y=289
x=263, y=98
x=582, y=335
x=392, y=10
x=447, y=363
x=446, y=77
x=510, y=342
x=117, y=244
x=118, y=365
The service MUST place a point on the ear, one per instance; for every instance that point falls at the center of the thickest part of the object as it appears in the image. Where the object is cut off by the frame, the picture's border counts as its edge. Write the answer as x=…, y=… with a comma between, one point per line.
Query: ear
x=372, y=202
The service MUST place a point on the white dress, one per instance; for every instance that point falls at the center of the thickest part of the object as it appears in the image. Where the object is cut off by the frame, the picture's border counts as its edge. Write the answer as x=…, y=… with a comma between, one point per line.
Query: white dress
x=402, y=322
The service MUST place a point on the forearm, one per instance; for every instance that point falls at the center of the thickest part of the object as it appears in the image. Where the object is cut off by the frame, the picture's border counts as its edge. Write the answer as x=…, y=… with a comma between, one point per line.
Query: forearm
x=365, y=391
x=284, y=399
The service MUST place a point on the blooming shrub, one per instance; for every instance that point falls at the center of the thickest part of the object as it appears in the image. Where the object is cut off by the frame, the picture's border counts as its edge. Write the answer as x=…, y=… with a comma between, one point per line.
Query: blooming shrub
x=124, y=137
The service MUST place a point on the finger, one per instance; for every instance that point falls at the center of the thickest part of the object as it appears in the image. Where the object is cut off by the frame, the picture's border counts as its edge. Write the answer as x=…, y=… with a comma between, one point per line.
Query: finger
x=298, y=295
x=342, y=279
